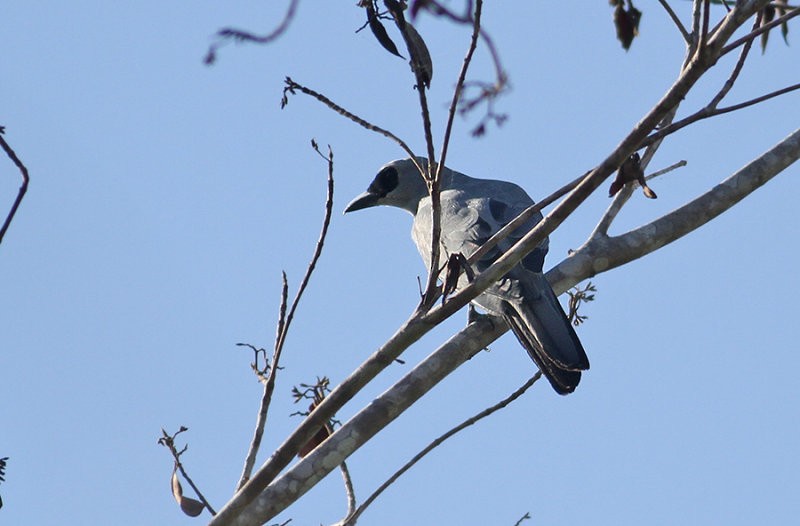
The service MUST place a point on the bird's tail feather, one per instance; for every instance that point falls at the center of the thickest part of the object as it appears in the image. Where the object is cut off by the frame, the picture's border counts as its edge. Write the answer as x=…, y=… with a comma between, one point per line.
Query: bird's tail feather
x=540, y=325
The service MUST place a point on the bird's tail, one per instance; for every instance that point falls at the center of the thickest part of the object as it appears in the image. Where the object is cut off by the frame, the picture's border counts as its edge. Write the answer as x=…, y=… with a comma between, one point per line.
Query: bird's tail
x=540, y=325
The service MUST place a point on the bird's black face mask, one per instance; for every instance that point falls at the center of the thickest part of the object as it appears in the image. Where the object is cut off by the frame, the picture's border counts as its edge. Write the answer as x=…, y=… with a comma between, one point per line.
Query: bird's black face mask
x=384, y=182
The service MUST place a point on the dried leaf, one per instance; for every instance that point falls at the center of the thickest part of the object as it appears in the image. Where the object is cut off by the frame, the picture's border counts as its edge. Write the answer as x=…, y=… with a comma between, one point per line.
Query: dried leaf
x=626, y=22
x=317, y=439
x=784, y=25
x=396, y=9
x=630, y=170
x=769, y=16
x=321, y=435
x=420, y=61
x=455, y=264
x=648, y=192
x=380, y=32
x=189, y=506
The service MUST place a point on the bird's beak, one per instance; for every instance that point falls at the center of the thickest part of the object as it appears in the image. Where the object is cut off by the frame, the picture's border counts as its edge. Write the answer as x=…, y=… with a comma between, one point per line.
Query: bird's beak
x=364, y=200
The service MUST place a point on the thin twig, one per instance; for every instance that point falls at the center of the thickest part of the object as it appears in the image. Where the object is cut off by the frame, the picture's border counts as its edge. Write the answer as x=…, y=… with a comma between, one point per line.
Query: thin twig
x=621, y=198
x=245, y=36
x=291, y=86
x=476, y=29
x=707, y=112
x=350, y=520
x=196, y=490
x=266, y=396
x=431, y=175
x=766, y=27
x=434, y=188
x=431, y=289
x=317, y=249
x=737, y=69
x=168, y=441
x=697, y=16
x=22, y=189
x=284, y=323
x=704, y=32
x=668, y=8
x=501, y=78
x=348, y=488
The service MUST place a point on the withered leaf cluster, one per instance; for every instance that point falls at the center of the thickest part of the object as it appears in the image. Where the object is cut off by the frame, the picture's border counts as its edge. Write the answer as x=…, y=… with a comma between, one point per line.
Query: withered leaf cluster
x=626, y=21
x=420, y=58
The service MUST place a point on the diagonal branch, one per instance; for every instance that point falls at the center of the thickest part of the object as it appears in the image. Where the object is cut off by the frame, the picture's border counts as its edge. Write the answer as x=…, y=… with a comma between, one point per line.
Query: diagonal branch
x=23, y=187
x=476, y=336
x=353, y=517
x=763, y=29
x=619, y=250
x=284, y=322
x=621, y=198
x=292, y=86
x=476, y=30
x=249, y=505
x=708, y=111
x=435, y=175
x=246, y=36
x=684, y=33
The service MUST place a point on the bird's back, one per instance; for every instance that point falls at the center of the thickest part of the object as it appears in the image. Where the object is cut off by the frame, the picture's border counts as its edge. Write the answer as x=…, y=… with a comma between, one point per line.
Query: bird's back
x=472, y=210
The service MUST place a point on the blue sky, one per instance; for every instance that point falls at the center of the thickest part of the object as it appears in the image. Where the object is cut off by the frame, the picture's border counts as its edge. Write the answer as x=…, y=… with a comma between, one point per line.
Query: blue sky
x=167, y=196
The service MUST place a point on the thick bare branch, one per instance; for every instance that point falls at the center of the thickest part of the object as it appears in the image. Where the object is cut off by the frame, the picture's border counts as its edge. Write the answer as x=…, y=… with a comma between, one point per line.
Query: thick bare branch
x=602, y=253
x=364, y=425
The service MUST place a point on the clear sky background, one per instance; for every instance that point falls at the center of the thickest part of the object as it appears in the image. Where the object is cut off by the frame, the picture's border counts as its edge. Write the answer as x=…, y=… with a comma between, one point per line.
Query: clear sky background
x=167, y=196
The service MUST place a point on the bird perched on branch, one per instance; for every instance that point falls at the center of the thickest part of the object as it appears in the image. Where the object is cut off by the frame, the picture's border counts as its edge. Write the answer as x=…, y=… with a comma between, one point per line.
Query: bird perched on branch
x=471, y=211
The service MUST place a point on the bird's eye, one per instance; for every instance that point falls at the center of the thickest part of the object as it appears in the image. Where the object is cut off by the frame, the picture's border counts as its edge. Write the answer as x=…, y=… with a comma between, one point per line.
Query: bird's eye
x=384, y=182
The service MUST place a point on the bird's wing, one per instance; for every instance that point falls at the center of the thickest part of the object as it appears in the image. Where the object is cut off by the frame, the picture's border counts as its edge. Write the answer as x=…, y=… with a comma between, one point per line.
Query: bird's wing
x=469, y=219
x=522, y=297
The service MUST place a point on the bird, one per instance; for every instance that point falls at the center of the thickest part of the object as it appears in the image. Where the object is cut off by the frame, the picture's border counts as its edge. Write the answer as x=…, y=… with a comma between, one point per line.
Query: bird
x=472, y=210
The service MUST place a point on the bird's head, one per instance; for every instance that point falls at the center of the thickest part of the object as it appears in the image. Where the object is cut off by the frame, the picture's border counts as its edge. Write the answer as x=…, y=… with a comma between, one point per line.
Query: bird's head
x=398, y=183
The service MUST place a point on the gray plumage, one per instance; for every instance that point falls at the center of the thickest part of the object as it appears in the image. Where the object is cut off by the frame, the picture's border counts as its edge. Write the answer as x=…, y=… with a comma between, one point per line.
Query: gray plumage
x=472, y=210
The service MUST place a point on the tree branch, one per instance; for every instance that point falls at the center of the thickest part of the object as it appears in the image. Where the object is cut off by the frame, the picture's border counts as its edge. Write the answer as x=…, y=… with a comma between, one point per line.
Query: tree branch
x=291, y=86
x=23, y=187
x=364, y=425
x=595, y=257
x=621, y=198
x=284, y=322
x=766, y=27
x=251, y=504
x=245, y=36
x=353, y=517
x=435, y=175
x=600, y=253
x=684, y=33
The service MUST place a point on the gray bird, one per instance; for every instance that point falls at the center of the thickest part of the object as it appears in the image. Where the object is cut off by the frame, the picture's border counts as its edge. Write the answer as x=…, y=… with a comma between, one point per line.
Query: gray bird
x=472, y=210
